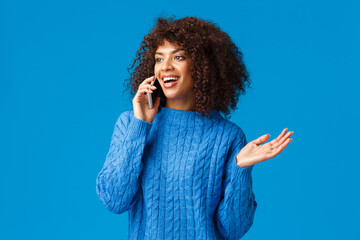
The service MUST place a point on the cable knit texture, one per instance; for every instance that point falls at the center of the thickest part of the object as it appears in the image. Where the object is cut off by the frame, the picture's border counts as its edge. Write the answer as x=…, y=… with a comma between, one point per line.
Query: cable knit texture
x=178, y=177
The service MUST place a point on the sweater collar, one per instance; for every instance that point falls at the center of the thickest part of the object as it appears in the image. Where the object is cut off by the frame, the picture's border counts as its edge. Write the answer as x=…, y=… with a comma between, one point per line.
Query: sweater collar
x=184, y=113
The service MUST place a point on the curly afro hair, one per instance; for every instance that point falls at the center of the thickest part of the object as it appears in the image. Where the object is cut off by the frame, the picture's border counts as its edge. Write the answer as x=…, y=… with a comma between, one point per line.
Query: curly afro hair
x=218, y=70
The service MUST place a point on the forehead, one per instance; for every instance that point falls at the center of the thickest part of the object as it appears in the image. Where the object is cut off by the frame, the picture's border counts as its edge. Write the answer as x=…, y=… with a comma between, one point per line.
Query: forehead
x=166, y=46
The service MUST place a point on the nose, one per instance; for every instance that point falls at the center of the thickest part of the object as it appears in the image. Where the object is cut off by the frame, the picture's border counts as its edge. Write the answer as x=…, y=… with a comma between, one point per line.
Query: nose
x=166, y=65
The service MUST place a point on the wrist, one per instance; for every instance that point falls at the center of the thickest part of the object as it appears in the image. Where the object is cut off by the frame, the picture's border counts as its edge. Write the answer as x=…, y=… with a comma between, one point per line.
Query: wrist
x=240, y=163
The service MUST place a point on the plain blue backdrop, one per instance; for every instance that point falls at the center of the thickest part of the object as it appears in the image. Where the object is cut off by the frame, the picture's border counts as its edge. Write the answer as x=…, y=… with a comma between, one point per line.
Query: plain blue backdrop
x=62, y=66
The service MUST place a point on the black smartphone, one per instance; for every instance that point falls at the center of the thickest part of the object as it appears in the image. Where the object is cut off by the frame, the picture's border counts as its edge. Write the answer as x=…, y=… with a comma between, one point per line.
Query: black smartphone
x=156, y=93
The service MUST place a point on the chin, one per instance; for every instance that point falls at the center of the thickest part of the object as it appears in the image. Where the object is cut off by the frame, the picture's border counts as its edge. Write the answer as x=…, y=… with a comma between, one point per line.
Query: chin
x=170, y=94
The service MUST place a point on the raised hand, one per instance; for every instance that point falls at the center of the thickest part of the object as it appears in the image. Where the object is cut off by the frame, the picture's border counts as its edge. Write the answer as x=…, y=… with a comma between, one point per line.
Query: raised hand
x=140, y=101
x=254, y=153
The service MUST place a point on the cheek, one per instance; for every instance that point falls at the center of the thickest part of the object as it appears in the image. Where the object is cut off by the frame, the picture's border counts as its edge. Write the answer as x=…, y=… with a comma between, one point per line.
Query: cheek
x=156, y=72
x=187, y=70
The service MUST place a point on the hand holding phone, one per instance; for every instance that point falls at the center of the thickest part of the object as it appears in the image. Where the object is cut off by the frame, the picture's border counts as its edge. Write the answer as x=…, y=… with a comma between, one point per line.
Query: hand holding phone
x=151, y=97
x=145, y=107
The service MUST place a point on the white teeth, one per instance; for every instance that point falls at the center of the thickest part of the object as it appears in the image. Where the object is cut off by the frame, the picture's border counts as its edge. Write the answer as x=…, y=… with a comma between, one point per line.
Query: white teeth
x=170, y=78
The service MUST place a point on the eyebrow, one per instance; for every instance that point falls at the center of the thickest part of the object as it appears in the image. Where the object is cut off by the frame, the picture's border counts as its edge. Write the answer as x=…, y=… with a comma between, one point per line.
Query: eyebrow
x=175, y=51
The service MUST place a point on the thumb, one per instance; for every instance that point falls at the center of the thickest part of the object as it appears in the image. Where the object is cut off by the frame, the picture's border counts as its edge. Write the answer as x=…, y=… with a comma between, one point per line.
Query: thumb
x=261, y=139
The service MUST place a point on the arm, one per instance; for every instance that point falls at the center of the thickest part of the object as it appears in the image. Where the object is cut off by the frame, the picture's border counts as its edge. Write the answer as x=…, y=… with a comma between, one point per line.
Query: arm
x=118, y=180
x=235, y=213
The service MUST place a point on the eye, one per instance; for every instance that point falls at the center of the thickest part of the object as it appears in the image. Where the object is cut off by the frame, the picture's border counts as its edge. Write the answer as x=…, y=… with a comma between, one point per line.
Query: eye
x=158, y=59
x=179, y=57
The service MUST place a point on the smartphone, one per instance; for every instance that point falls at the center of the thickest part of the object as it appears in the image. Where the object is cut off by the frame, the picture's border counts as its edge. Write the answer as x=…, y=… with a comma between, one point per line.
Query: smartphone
x=156, y=93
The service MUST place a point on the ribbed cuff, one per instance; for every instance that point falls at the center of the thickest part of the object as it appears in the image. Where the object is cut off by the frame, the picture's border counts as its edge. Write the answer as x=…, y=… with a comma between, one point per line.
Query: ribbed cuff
x=244, y=174
x=138, y=128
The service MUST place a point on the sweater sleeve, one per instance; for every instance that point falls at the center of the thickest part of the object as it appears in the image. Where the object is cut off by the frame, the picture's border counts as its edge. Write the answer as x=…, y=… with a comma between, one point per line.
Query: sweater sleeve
x=235, y=213
x=119, y=179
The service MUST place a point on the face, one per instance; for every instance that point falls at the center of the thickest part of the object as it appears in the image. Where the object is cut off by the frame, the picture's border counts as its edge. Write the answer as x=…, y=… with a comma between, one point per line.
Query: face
x=173, y=70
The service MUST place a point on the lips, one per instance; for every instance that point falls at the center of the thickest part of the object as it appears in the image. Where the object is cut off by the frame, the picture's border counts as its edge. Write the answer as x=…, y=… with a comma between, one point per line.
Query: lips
x=170, y=80
x=167, y=78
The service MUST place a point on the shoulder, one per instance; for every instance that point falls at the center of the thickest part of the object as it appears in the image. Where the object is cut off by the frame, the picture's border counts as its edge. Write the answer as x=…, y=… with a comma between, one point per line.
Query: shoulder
x=236, y=137
x=125, y=116
x=233, y=130
x=238, y=140
x=123, y=120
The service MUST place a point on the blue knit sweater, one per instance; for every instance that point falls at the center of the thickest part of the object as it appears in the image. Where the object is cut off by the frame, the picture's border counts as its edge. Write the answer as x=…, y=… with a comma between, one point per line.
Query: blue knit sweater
x=178, y=177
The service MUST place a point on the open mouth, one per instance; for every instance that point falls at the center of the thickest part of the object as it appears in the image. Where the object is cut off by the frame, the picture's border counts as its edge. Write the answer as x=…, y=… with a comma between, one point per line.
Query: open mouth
x=170, y=81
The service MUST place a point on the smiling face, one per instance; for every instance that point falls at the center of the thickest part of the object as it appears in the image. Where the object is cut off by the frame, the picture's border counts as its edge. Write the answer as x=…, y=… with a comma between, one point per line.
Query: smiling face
x=173, y=70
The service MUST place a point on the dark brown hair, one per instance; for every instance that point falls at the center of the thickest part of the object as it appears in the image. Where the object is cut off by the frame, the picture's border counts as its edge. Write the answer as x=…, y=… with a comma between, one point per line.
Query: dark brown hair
x=218, y=70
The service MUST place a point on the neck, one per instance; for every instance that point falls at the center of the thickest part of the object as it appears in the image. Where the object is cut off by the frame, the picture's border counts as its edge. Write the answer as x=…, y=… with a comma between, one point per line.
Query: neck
x=181, y=105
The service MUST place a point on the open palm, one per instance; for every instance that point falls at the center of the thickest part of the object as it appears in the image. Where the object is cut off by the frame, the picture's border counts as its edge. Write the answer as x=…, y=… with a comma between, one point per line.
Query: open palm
x=254, y=152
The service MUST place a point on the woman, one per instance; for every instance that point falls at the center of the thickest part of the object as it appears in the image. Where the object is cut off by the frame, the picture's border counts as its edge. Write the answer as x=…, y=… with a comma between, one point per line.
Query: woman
x=180, y=168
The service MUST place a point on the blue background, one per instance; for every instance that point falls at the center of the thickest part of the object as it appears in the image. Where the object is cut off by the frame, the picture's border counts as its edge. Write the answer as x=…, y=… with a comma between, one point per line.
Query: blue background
x=62, y=66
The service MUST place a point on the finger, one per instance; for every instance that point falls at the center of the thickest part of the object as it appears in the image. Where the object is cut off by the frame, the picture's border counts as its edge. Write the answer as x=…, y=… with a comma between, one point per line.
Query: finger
x=147, y=86
x=144, y=91
x=147, y=81
x=283, y=146
x=280, y=136
x=282, y=140
x=279, y=149
x=261, y=139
